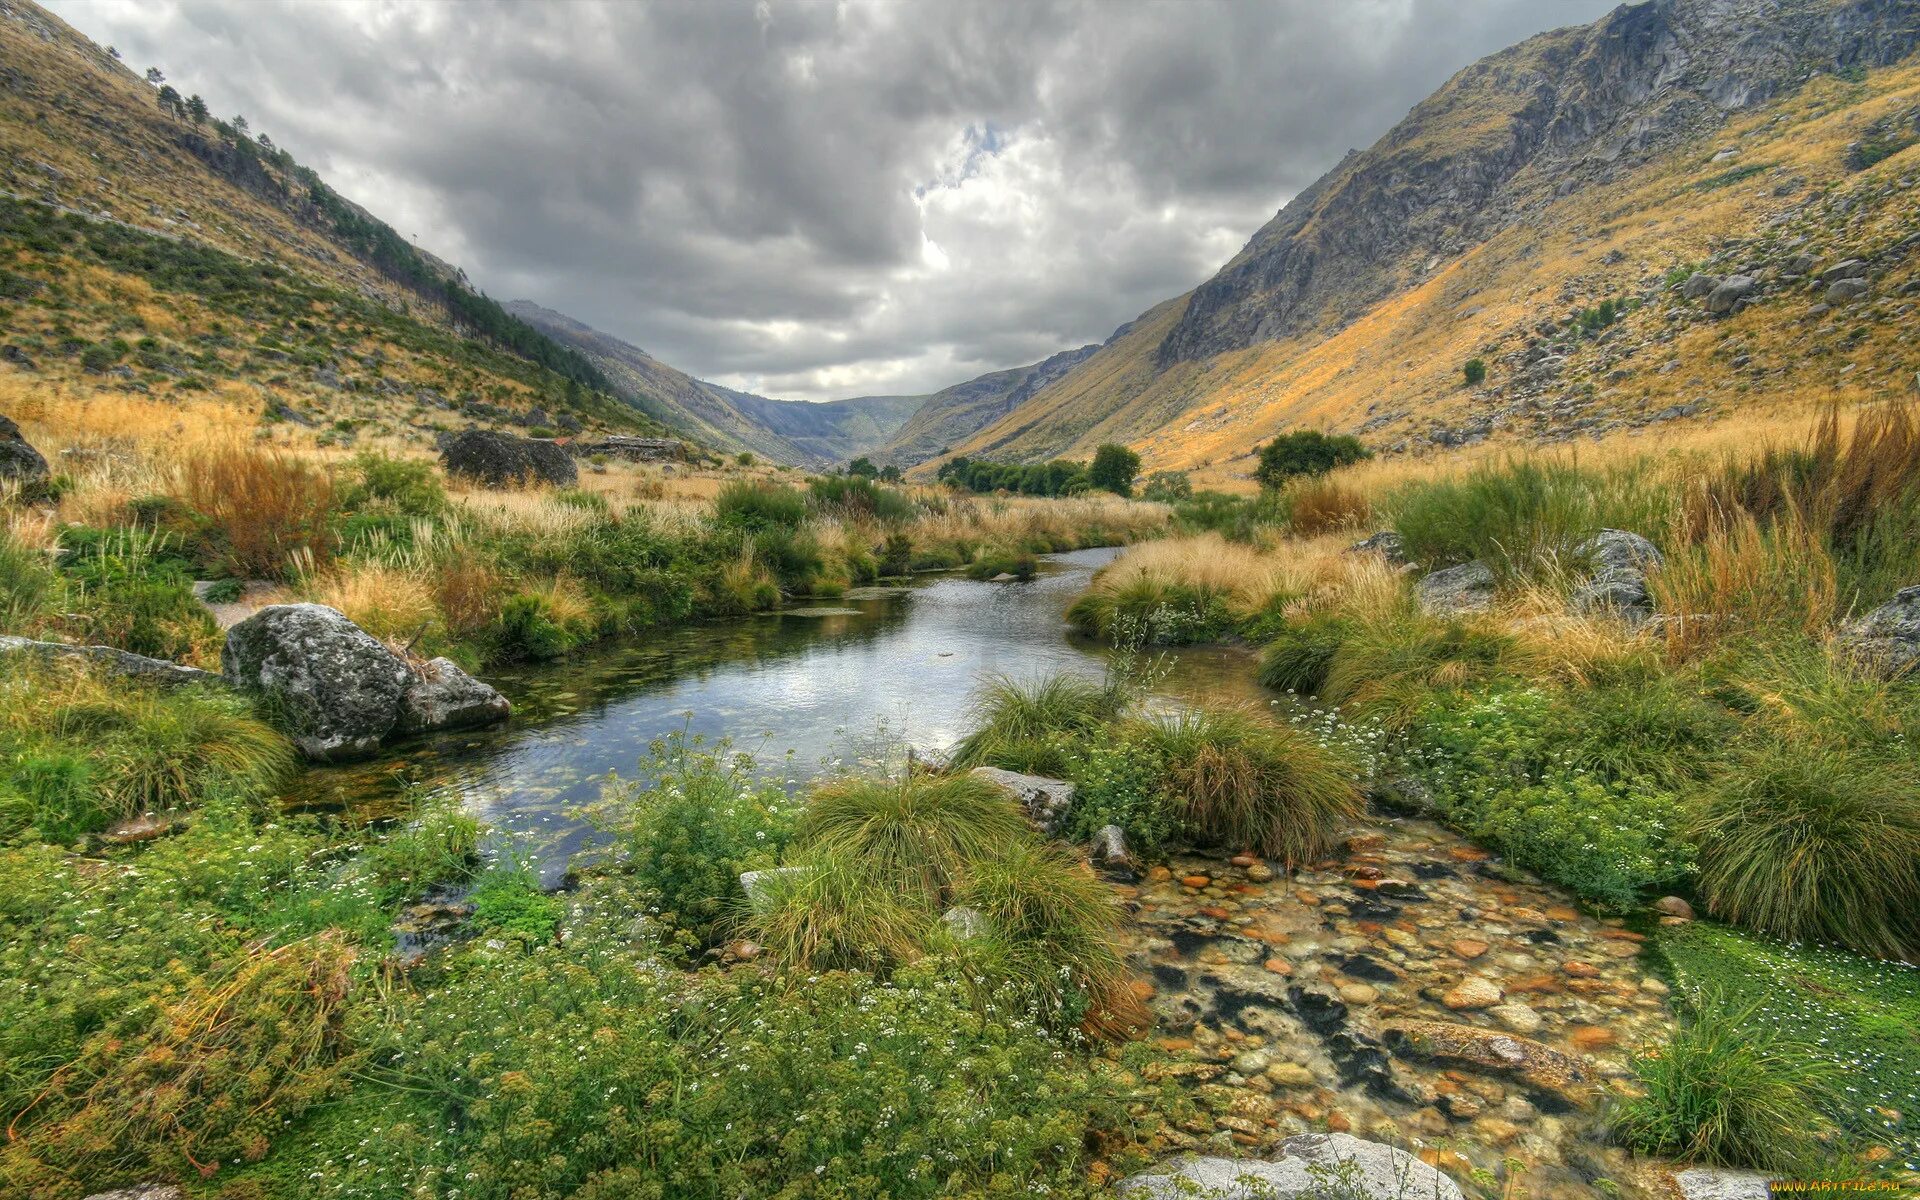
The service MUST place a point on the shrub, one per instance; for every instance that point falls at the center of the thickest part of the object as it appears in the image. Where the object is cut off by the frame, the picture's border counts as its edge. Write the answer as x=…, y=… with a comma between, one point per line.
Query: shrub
x=1475, y=372
x=1388, y=661
x=693, y=822
x=1728, y=1091
x=859, y=496
x=1148, y=610
x=1314, y=505
x=794, y=558
x=1114, y=468
x=914, y=836
x=1299, y=658
x=1167, y=487
x=1805, y=841
x=758, y=506
x=509, y=903
x=1119, y=781
x=1242, y=782
x=996, y=561
x=406, y=486
x=1306, y=452
x=526, y=629
x=267, y=508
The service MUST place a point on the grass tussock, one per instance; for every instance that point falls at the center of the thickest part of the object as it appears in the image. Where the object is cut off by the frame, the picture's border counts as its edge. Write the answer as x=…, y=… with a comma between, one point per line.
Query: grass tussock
x=1035, y=726
x=267, y=509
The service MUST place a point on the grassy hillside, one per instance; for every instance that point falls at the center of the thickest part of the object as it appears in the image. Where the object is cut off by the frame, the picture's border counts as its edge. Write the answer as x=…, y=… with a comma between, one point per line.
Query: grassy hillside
x=953, y=414
x=148, y=253
x=1827, y=171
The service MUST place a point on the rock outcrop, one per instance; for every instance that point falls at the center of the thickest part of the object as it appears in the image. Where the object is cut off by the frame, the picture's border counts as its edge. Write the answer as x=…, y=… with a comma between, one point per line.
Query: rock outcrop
x=1046, y=801
x=114, y=662
x=503, y=460
x=1311, y=1165
x=340, y=690
x=1462, y=589
x=19, y=461
x=1887, y=639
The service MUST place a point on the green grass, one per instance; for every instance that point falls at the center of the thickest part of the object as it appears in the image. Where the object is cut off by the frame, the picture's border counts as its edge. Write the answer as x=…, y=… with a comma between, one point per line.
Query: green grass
x=1300, y=656
x=1033, y=726
x=917, y=835
x=1856, y=1015
x=1145, y=611
x=1727, y=1092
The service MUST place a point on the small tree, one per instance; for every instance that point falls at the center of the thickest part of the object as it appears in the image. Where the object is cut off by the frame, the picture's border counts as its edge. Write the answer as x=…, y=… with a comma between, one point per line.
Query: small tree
x=1476, y=372
x=197, y=109
x=170, y=102
x=1114, y=468
x=1168, y=487
x=154, y=76
x=1306, y=452
x=863, y=467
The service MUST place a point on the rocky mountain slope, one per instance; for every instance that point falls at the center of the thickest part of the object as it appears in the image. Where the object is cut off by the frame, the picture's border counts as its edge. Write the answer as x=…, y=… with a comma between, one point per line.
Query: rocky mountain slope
x=788, y=431
x=1570, y=183
x=953, y=414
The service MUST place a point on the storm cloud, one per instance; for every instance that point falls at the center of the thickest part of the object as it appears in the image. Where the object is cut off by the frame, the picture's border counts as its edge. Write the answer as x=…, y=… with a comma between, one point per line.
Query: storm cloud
x=811, y=199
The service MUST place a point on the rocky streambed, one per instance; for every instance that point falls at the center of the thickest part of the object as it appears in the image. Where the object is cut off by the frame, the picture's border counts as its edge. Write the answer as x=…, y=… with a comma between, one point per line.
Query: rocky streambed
x=1415, y=992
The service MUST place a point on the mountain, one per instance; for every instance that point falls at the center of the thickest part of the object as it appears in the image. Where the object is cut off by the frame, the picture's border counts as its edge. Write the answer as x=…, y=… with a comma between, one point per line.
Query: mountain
x=788, y=431
x=1542, y=211
x=953, y=414
x=150, y=250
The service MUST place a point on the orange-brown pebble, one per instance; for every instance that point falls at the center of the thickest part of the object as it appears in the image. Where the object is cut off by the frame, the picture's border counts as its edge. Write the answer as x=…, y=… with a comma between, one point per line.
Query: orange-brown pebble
x=1468, y=948
x=1279, y=966
x=1467, y=854
x=1561, y=912
x=1196, y=881
x=1579, y=970
x=1337, y=1121
x=1590, y=1037
x=1158, y=875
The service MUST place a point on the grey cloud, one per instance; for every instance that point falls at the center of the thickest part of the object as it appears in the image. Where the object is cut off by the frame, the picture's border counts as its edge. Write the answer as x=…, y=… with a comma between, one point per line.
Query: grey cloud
x=745, y=189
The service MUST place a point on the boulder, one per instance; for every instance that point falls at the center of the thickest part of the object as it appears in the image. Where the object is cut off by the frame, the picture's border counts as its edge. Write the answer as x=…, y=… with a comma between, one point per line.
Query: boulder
x=143, y=1191
x=503, y=460
x=442, y=696
x=1109, y=848
x=1698, y=285
x=761, y=886
x=1618, y=561
x=1846, y=291
x=1310, y=1166
x=1721, y=1183
x=338, y=688
x=1732, y=290
x=1046, y=801
x=1673, y=906
x=1887, y=639
x=1465, y=588
x=1850, y=268
x=19, y=461
x=114, y=662
x=1386, y=544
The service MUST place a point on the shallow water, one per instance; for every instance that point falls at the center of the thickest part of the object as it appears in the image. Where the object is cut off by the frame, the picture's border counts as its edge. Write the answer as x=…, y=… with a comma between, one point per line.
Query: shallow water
x=810, y=689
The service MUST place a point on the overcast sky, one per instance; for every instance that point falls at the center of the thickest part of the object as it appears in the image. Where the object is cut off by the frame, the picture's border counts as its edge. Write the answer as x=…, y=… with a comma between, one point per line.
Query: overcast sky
x=810, y=199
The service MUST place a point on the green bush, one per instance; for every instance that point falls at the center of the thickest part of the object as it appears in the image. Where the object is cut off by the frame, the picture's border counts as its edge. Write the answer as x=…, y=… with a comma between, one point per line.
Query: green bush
x=859, y=496
x=1806, y=841
x=689, y=826
x=915, y=836
x=509, y=903
x=1114, y=468
x=1150, y=611
x=526, y=630
x=1167, y=487
x=1121, y=781
x=758, y=506
x=1475, y=372
x=1034, y=726
x=406, y=486
x=1306, y=452
x=996, y=561
x=1728, y=1091
x=1239, y=781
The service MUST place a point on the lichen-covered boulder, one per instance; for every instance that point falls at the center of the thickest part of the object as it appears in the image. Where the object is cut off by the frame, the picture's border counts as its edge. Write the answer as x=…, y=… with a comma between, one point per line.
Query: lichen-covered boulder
x=1046, y=801
x=336, y=687
x=1887, y=639
x=503, y=460
x=1732, y=291
x=442, y=696
x=1310, y=1165
x=1617, y=561
x=19, y=461
x=1465, y=588
x=118, y=663
x=1387, y=544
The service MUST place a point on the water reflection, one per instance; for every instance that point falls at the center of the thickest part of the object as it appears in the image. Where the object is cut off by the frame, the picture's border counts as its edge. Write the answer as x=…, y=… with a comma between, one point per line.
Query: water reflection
x=855, y=680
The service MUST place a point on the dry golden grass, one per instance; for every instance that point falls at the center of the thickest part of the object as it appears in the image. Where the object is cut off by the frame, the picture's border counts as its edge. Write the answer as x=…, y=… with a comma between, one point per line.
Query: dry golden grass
x=1739, y=577
x=392, y=603
x=1248, y=578
x=271, y=507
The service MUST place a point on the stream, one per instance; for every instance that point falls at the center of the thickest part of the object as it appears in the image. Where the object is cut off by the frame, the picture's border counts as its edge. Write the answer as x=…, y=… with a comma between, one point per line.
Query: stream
x=1415, y=991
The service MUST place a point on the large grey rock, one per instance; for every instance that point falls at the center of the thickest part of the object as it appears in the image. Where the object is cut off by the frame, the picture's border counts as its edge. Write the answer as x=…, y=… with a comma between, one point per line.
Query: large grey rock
x=337, y=688
x=1311, y=1166
x=1465, y=588
x=1850, y=268
x=113, y=662
x=503, y=460
x=1109, y=848
x=19, y=461
x=442, y=696
x=1617, y=562
x=1721, y=1183
x=1387, y=544
x=1698, y=285
x=1887, y=639
x=144, y=1191
x=1046, y=801
x=1732, y=290
x=1846, y=291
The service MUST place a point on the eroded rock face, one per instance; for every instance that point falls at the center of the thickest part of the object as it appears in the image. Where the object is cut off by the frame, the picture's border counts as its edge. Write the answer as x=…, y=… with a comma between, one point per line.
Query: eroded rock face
x=1887, y=639
x=338, y=688
x=19, y=461
x=1311, y=1165
x=503, y=460
x=1045, y=800
x=1465, y=588
x=442, y=696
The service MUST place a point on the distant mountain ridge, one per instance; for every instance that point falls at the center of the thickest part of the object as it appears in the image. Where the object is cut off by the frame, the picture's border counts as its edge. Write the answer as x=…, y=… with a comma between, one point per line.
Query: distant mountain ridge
x=1579, y=166
x=953, y=414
